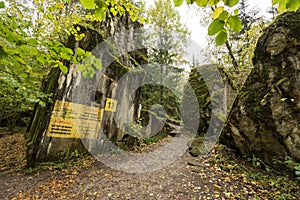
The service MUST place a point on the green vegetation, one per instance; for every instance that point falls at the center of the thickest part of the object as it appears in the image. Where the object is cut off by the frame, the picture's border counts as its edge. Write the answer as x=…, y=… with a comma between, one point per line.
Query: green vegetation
x=35, y=47
x=33, y=40
x=165, y=59
x=272, y=183
x=31, y=45
x=294, y=165
x=225, y=18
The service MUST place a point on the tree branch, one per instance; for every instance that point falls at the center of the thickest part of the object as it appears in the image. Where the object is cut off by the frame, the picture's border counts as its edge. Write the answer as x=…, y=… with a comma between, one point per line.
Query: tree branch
x=234, y=62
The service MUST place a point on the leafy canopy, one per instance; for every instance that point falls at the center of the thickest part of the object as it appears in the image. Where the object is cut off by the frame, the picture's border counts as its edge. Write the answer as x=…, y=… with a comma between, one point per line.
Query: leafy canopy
x=225, y=20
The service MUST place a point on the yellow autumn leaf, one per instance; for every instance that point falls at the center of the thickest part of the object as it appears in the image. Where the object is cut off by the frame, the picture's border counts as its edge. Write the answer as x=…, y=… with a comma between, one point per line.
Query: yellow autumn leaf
x=217, y=12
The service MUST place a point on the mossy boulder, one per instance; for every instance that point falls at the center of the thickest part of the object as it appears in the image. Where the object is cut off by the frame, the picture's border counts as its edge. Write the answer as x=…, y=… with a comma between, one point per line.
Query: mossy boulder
x=265, y=117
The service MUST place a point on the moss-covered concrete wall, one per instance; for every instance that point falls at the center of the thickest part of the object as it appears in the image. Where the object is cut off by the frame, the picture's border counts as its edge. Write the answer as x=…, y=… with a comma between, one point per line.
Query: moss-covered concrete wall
x=40, y=147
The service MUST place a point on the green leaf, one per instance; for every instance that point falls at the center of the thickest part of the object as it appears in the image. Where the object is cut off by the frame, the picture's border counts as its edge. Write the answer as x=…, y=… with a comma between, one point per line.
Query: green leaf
x=81, y=67
x=88, y=54
x=42, y=104
x=274, y=2
x=98, y=64
x=231, y=3
x=32, y=41
x=85, y=74
x=23, y=75
x=99, y=14
x=201, y=3
x=41, y=58
x=221, y=37
x=236, y=11
x=223, y=16
x=215, y=27
x=293, y=5
x=80, y=52
x=33, y=100
x=2, y=5
x=33, y=51
x=2, y=52
x=54, y=64
x=65, y=56
x=282, y=5
x=67, y=51
x=89, y=4
x=101, y=4
x=63, y=68
x=213, y=2
x=178, y=2
x=235, y=23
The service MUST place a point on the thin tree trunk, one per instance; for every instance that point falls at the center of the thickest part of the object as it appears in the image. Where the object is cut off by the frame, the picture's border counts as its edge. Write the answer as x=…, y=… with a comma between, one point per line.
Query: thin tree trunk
x=233, y=60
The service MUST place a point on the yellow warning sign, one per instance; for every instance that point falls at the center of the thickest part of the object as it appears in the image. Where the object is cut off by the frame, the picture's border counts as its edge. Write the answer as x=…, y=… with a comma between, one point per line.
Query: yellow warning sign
x=111, y=105
x=70, y=120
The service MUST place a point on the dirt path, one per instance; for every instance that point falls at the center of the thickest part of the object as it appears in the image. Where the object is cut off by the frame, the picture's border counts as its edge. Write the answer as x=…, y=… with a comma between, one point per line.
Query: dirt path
x=216, y=176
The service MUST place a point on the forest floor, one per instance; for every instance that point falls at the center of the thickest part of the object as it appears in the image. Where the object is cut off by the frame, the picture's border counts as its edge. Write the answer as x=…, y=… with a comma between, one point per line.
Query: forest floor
x=219, y=175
